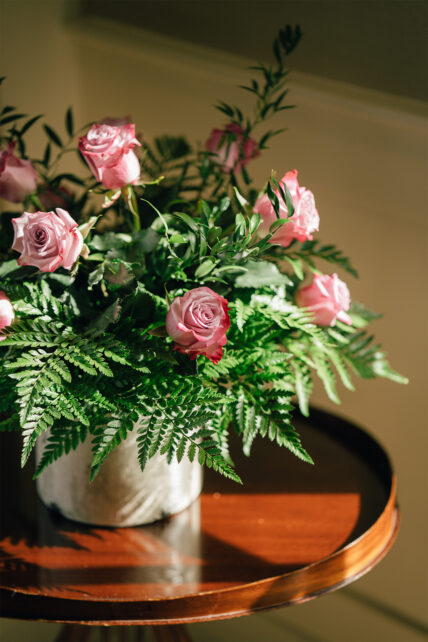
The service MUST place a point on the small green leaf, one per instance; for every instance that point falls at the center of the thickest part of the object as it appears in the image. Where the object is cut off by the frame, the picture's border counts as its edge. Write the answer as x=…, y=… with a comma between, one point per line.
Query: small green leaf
x=286, y=107
x=245, y=175
x=240, y=223
x=232, y=269
x=85, y=228
x=273, y=199
x=29, y=124
x=241, y=200
x=52, y=135
x=255, y=221
x=69, y=126
x=158, y=331
x=47, y=155
x=277, y=50
x=296, y=265
x=177, y=238
x=8, y=266
x=205, y=268
x=187, y=219
x=226, y=109
x=69, y=177
x=11, y=118
x=260, y=274
x=276, y=225
x=96, y=276
x=7, y=109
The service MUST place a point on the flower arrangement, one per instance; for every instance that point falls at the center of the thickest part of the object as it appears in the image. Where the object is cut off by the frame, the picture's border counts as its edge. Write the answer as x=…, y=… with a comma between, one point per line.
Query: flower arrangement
x=162, y=292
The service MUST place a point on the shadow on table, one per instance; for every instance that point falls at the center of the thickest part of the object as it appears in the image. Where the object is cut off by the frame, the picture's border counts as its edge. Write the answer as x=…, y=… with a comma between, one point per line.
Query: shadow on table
x=183, y=552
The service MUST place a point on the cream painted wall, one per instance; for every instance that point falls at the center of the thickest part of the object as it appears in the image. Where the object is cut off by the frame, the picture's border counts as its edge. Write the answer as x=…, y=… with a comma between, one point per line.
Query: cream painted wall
x=363, y=154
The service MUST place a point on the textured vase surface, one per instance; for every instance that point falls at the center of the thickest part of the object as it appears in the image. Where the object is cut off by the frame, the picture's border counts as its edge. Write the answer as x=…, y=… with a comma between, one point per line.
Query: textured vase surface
x=121, y=494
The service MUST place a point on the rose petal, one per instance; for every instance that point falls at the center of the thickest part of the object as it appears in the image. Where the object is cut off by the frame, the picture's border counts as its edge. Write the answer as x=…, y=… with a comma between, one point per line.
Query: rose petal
x=198, y=322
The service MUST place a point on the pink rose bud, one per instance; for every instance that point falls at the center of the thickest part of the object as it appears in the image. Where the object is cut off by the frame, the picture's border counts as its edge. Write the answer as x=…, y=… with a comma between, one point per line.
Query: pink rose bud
x=198, y=322
x=231, y=148
x=304, y=221
x=109, y=152
x=327, y=298
x=6, y=313
x=47, y=240
x=18, y=178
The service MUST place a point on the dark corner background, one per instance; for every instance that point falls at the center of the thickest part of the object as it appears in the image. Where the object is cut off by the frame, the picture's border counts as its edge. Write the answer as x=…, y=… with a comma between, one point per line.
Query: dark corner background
x=377, y=44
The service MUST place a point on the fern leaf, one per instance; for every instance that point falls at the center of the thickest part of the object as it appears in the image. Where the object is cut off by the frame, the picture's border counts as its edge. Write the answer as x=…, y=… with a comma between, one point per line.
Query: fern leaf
x=242, y=313
x=39, y=421
x=326, y=375
x=340, y=365
x=285, y=435
x=105, y=439
x=8, y=424
x=60, y=441
x=303, y=385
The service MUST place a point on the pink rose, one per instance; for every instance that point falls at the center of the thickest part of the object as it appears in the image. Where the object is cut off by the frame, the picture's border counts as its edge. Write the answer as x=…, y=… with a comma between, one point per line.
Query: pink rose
x=198, y=322
x=109, y=152
x=6, y=313
x=18, y=178
x=304, y=221
x=231, y=148
x=327, y=298
x=47, y=240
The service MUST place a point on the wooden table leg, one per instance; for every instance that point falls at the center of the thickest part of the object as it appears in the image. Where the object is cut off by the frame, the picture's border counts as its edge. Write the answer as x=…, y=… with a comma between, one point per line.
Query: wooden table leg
x=171, y=633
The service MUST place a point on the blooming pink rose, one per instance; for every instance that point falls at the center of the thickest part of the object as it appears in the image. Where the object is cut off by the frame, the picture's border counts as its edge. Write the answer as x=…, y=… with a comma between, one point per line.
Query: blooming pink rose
x=6, y=313
x=304, y=221
x=47, y=240
x=231, y=148
x=327, y=298
x=198, y=322
x=109, y=152
x=18, y=178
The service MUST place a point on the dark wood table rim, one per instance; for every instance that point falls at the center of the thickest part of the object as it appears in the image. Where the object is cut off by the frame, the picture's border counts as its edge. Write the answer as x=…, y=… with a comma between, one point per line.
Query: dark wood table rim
x=343, y=566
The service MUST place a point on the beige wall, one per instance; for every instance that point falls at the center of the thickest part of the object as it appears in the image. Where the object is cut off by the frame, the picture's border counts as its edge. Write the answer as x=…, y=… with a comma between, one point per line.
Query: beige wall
x=364, y=155
x=378, y=44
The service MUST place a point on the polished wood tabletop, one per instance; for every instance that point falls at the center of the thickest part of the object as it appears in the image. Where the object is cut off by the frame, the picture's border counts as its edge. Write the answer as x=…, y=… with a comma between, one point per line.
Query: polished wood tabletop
x=291, y=532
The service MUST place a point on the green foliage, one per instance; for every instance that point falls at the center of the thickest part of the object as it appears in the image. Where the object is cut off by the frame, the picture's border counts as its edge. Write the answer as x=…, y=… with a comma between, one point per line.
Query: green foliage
x=311, y=250
x=60, y=441
x=260, y=399
x=88, y=355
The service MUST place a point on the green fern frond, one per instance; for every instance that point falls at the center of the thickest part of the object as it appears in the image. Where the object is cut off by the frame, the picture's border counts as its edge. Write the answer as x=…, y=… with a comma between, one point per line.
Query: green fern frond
x=340, y=364
x=105, y=438
x=303, y=384
x=9, y=424
x=311, y=250
x=60, y=441
x=242, y=312
x=285, y=435
x=326, y=374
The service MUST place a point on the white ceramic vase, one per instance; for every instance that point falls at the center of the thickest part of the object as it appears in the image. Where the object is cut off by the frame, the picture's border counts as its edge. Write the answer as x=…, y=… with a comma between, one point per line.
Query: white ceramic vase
x=121, y=494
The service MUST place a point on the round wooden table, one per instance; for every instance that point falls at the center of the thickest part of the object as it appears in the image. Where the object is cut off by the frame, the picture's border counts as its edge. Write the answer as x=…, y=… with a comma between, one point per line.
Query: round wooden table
x=290, y=533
